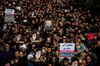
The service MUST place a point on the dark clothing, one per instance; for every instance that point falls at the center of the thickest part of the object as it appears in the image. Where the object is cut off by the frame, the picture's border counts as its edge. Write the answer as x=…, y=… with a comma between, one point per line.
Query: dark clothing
x=90, y=64
x=40, y=63
x=97, y=52
x=1, y=58
x=23, y=61
x=6, y=57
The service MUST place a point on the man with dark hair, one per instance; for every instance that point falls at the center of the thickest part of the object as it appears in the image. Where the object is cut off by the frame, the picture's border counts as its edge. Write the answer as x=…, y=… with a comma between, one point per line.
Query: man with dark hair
x=96, y=51
x=75, y=61
x=89, y=61
x=64, y=62
x=22, y=60
x=7, y=54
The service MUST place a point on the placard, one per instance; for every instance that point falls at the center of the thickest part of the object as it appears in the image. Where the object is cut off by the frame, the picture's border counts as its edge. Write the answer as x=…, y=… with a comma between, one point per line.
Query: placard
x=67, y=47
x=48, y=25
x=81, y=48
x=9, y=15
x=90, y=36
x=67, y=50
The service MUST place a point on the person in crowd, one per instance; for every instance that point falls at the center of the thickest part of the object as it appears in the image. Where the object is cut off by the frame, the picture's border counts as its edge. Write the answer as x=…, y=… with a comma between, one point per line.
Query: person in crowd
x=89, y=61
x=14, y=61
x=22, y=59
x=64, y=62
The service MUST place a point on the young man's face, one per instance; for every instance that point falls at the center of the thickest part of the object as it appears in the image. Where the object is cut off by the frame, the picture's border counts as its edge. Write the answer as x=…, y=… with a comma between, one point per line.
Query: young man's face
x=75, y=63
x=21, y=54
x=49, y=50
x=17, y=54
x=88, y=59
x=49, y=39
x=6, y=46
x=65, y=63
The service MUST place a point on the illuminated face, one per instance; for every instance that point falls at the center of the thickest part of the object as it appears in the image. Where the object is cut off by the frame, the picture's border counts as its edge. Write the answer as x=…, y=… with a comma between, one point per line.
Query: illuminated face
x=49, y=39
x=21, y=54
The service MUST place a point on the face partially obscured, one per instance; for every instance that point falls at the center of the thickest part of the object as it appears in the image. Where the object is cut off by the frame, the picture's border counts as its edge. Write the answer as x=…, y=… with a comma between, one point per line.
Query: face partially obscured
x=83, y=63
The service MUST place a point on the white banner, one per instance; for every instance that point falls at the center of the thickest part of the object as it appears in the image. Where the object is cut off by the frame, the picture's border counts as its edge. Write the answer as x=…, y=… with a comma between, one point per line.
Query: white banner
x=9, y=11
x=67, y=47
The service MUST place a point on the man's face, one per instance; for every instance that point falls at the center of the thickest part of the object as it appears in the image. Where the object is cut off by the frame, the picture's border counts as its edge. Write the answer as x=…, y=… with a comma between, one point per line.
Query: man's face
x=83, y=54
x=17, y=54
x=98, y=43
x=6, y=46
x=75, y=63
x=60, y=32
x=55, y=36
x=49, y=50
x=88, y=59
x=49, y=39
x=65, y=63
x=54, y=29
x=21, y=54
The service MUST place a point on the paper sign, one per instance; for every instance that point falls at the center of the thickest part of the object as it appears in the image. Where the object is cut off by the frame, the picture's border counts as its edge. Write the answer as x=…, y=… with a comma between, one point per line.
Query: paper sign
x=48, y=25
x=9, y=11
x=9, y=15
x=66, y=54
x=67, y=47
x=81, y=48
x=66, y=50
x=38, y=54
x=18, y=8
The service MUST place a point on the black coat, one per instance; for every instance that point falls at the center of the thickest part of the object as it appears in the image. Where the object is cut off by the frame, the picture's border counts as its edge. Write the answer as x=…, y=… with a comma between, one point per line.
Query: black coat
x=97, y=52
x=23, y=61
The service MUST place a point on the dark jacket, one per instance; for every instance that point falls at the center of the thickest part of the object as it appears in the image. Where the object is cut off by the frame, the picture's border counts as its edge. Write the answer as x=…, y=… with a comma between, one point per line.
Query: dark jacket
x=22, y=61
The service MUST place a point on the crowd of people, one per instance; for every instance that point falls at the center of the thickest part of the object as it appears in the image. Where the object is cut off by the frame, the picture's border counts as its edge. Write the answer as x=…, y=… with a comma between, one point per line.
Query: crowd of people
x=28, y=42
